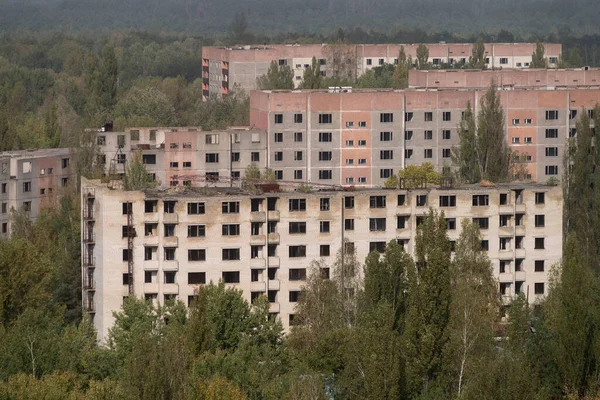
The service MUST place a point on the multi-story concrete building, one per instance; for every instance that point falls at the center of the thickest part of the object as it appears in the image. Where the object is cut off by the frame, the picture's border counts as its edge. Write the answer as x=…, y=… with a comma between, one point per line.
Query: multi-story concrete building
x=226, y=67
x=170, y=153
x=361, y=137
x=162, y=244
x=525, y=78
x=30, y=181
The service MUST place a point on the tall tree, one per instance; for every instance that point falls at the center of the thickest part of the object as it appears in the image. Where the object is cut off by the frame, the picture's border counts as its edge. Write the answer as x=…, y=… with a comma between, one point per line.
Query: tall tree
x=483, y=152
x=238, y=27
x=277, y=77
x=428, y=306
x=473, y=308
x=464, y=156
x=477, y=58
x=537, y=57
x=311, y=79
x=400, y=77
x=385, y=280
x=422, y=57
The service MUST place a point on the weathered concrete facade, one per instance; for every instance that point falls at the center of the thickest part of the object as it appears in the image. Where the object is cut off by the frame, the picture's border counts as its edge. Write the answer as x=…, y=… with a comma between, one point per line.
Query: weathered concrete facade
x=264, y=244
x=507, y=78
x=226, y=67
x=416, y=126
x=30, y=181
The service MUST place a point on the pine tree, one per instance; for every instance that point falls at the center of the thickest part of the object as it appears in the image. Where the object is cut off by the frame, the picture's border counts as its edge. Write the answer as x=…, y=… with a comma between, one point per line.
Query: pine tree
x=428, y=306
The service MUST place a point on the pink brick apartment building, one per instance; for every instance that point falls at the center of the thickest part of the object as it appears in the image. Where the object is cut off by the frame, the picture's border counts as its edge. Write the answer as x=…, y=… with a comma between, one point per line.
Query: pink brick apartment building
x=225, y=67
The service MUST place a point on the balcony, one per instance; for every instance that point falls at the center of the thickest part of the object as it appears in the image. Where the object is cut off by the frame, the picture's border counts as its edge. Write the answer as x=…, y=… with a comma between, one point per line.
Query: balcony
x=520, y=230
x=520, y=208
x=274, y=238
x=89, y=262
x=89, y=306
x=274, y=307
x=507, y=209
x=274, y=284
x=273, y=261
x=151, y=265
x=257, y=287
x=257, y=240
x=257, y=263
x=170, y=218
x=171, y=288
x=170, y=241
x=89, y=284
x=520, y=253
x=273, y=215
x=506, y=277
x=151, y=217
x=170, y=265
x=88, y=213
x=520, y=276
x=150, y=288
x=151, y=240
x=88, y=236
x=258, y=216
x=506, y=231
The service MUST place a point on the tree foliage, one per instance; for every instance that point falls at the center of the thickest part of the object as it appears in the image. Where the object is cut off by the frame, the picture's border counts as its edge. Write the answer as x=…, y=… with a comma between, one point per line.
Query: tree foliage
x=537, y=57
x=477, y=58
x=483, y=152
x=277, y=77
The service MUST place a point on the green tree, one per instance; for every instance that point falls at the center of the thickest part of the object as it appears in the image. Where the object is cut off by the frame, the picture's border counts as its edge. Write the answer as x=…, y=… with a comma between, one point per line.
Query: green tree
x=385, y=281
x=464, y=156
x=575, y=58
x=52, y=127
x=24, y=278
x=537, y=57
x=483, y=145
x=311, y=79
x=137, y=176
x=400, y=76
x=414, y=176
x=428, y=306
x=144, y=106
x=238, y=27
x=277, y=77
x=572, y=312
x=477, y=59
x=474, y=307
x=422, y=57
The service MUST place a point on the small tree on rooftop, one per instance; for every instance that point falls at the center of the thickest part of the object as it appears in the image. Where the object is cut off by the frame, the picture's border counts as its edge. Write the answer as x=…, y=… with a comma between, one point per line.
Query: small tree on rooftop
x=137, y=176
x=277, y=77
x=537, y=57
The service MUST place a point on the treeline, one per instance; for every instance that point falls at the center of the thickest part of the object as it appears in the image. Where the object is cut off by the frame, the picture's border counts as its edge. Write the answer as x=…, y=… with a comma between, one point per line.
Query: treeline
x=53, y=87
x=210, y=16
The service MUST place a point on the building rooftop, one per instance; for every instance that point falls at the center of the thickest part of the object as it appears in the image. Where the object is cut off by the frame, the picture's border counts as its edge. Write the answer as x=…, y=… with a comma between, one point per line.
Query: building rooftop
x=35, y=153
x=296, y=189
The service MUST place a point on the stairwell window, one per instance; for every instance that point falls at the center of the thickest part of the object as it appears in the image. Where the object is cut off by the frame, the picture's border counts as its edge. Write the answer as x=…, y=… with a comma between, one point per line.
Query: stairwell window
x=386, y=117
x=325, y=118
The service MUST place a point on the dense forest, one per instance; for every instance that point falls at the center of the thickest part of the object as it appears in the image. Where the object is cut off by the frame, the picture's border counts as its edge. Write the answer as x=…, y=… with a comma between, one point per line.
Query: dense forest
x=323, y=16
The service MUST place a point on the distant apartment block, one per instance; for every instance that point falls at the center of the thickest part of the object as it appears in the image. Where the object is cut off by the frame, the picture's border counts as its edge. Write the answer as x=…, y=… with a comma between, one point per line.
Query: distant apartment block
x=170, y=153
x=226, y=67
x=523, y=78
x=30, y=180
x=163, y=244
x=362, y=137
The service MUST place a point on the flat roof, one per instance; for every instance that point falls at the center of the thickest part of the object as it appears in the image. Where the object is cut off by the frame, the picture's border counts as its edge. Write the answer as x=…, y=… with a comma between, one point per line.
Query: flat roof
x=35, y=153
